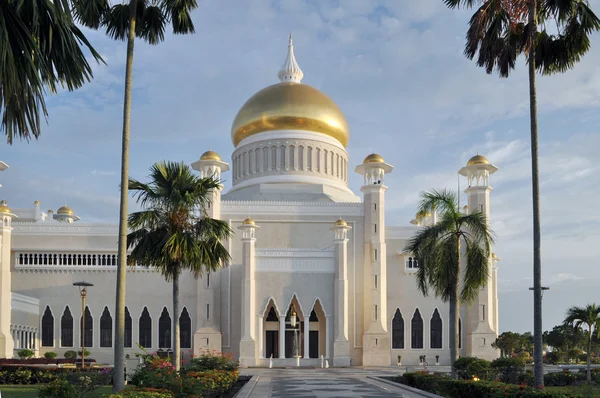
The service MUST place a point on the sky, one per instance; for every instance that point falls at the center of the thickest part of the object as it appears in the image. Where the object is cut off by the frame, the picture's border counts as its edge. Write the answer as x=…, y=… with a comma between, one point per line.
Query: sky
x=397, y=71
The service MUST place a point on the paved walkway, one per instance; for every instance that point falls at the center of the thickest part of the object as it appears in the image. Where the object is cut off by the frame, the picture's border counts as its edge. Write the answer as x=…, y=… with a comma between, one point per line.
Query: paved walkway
x=322, y=383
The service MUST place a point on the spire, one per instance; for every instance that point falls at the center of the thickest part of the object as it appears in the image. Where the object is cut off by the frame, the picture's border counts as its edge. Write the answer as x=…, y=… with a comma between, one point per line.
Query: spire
x=290, y=71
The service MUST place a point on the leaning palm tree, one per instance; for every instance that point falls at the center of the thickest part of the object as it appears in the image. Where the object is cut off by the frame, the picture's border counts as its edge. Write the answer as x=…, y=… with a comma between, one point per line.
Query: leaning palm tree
x=589, y=316
x=41, y=50
x=500, y=31
x=439, y=250
x=146, y=20
x=173, y=233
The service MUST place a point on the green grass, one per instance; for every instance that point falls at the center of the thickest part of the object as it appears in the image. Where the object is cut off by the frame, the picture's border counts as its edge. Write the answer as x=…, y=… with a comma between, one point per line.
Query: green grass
x=586, y=391
x=32, y=391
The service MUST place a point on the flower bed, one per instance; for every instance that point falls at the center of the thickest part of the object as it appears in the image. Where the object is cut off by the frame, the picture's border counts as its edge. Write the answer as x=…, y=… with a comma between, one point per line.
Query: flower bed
x=11, y=374
x=39, y=361
x=450, y=388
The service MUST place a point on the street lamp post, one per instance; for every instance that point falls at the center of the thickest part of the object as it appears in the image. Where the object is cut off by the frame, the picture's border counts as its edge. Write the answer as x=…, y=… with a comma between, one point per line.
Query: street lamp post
x=83, y=293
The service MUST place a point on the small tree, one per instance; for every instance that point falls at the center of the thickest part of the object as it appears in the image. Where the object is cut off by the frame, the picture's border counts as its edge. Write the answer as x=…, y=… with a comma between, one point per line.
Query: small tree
x=508, y=343
x=589, y=316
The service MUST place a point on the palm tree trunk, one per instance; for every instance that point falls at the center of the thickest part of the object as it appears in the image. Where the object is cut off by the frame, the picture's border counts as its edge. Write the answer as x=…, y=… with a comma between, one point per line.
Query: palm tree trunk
x=176, y=339
x=537, y=262
x=453, y=318
x=589, y=355
x=119, y=360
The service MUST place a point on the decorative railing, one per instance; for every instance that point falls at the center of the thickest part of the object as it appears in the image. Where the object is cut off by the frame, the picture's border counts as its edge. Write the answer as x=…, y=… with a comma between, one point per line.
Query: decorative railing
x=60, y=259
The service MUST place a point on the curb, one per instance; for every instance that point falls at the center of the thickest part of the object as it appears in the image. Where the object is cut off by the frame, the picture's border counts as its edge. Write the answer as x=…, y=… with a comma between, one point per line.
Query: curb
x=405, y=387
x=248, y=388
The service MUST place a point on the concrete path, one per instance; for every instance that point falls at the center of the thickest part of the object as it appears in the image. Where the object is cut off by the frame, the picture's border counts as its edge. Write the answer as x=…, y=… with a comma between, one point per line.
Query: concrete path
x=322, y=383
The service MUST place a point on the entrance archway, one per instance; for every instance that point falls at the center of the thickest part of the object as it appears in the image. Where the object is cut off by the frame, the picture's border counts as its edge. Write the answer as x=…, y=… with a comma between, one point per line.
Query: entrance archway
x=271, y=331
x=317, y=341
x=294, y=330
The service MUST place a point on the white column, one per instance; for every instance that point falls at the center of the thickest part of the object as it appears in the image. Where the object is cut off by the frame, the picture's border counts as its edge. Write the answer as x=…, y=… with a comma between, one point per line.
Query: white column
x=282, y=336
x=261, y=350
x=248, y=342
x=306, y=334
x=327, y=338
x=341, y=345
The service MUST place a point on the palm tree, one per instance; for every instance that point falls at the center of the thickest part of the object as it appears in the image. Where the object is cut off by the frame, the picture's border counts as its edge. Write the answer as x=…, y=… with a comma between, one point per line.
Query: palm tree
x=500, y=31
x=590, y=316
x=146, y=20
x=40, y=51
x=173, y=233
x=439, y=249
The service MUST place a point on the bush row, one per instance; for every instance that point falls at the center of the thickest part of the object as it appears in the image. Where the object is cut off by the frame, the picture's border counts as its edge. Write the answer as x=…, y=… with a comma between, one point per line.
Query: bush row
x=28, y=375
x=448, y=387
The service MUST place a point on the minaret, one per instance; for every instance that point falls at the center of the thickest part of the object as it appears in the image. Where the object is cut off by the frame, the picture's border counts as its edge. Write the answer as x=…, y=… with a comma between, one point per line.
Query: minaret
x=341, y=345
x=376, y=341
x=290, y=71
x=481, y=323
x=65, y=214
x=208, y=335
x=6, y=340
x=248, y=342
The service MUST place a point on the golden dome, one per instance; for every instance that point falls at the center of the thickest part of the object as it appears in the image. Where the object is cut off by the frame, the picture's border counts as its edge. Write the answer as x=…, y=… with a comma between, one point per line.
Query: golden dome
x=36, y=203
x=340, y=223
x=422, y=214
x=65, y=210
x=477, y=159
x=290, y=106
x=248, y=221
x=373, y=158
x=4, y=207
x=210, y=155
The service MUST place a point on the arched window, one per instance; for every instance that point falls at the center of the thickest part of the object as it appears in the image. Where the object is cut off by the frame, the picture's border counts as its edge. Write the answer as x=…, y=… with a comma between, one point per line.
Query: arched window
x=272, y=316
x=105, y=329
x=185, y=329
x=313, y=316
x=145, y=325
x=435, y=325
x=128, y=329
x=66, y=328
x=48, y=328
x=87, y=329
x=410, y=262
x=398, y=331
x=164, y=329
x=416, y=330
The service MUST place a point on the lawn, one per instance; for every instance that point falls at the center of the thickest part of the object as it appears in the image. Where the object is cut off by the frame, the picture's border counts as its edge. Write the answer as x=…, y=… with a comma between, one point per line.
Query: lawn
x=31, y=391
x=583, y=390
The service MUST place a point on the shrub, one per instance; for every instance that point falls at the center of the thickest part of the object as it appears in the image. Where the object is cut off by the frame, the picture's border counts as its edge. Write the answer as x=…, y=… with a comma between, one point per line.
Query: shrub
x=139, y=392
x=573, y=354
x=34, y=361
x=525, y=357
x=554, y=357
x=564, y=378
x=508, y=370
x=461, y=365
x=50, y=355
x=58, y=389
x=212, y=360
x=25, y=353
x=37, y=375
x=447, y=387
x=480, y=369
x=87, y=353
x=71, y=354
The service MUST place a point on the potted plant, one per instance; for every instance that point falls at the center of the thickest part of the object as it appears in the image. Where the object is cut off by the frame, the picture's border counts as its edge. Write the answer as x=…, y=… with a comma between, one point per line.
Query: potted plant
x=437, y=360
x=399, y=360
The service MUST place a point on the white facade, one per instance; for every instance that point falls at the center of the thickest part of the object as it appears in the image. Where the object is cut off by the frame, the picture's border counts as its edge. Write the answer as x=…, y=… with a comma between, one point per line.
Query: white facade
x=305, y=247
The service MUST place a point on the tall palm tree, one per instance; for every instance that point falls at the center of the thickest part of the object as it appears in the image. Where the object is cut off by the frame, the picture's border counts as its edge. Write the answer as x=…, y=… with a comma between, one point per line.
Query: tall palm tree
x=439, y=249
x=590, y=316
x=173, y=233
x=500, y=31
x=41, y=49
x=146, y=20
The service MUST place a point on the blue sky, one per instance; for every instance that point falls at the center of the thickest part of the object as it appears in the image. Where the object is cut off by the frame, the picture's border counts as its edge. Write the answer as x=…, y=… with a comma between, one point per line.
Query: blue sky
x=397, y=71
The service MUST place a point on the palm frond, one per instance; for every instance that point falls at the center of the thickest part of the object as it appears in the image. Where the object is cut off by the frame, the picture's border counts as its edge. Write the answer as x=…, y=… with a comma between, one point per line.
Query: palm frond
x=152, y=26
x=444, y=201
x=90, y=13
x=179, y=13
x=476, y=270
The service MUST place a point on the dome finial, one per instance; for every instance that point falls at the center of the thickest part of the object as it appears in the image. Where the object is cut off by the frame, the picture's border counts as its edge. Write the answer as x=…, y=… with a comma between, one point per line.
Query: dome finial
x=290, y=71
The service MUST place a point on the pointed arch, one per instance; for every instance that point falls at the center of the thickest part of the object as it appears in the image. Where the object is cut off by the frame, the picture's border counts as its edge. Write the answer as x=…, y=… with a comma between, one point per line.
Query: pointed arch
x=270, y=302
x=128, y=329
x=416, y=330
x=185, y=329
x=86, y=330
x=145, y=329
x=66, y=328
x=48, y=328
x=435, y=330
x=318, y=300
x=164, y=329
x=398, y=330
x=106, y=323
x=298, y=305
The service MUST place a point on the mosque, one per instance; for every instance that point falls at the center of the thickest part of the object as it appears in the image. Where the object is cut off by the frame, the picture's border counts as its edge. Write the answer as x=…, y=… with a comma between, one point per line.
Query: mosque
x=315, y=271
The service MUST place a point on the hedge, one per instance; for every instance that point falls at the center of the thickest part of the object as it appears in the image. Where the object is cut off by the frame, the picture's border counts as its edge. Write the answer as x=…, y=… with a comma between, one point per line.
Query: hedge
x=448, y=387
x=139, y=392
x=34, y=375
x=39, y=361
